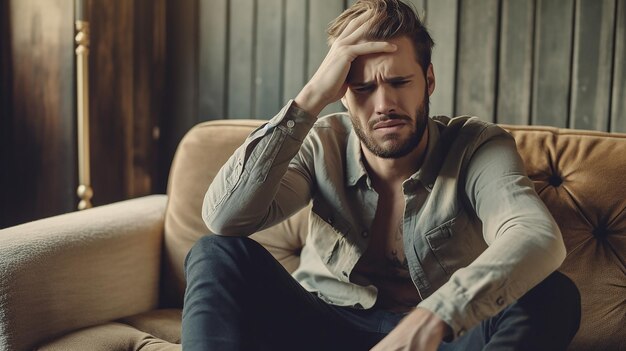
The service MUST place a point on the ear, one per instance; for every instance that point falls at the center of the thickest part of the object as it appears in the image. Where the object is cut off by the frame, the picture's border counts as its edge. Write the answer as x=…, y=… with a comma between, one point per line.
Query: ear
x=430, y=79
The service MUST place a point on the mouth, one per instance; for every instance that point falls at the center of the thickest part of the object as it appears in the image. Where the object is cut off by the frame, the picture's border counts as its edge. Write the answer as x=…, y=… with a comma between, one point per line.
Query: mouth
x=389, y=124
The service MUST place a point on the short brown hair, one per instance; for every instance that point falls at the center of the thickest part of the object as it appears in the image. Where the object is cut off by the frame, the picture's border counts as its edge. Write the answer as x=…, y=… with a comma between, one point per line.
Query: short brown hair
x=391, y=19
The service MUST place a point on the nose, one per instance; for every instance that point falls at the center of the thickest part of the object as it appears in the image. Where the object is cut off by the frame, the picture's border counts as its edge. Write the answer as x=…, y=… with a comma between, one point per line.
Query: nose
x=385, y=100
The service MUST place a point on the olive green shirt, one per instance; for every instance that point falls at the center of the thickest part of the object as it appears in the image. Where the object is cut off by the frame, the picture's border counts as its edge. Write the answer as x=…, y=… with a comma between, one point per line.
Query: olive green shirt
x=476, y=234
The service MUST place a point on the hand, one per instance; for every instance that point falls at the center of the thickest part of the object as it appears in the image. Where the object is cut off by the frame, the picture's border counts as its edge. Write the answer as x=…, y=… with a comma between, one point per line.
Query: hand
x=328, y=84
x=420, y=330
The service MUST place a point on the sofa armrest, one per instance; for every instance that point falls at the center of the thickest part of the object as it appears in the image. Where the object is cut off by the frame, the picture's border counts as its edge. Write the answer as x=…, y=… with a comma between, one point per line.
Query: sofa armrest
x=79, y=269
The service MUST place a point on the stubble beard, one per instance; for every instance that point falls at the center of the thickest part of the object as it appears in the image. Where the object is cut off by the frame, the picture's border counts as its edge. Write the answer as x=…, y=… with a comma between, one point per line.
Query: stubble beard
x=398, y=148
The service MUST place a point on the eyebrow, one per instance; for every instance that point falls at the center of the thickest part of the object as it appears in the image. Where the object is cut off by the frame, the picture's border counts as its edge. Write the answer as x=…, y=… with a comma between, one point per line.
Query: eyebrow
x=395, y=79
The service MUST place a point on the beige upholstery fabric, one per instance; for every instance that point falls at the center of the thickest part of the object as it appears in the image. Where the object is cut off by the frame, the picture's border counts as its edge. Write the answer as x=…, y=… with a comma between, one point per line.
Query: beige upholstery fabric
x=110, y=337
x=163, y=324
x=580, y=176
x=198, y=158
x=79, y=269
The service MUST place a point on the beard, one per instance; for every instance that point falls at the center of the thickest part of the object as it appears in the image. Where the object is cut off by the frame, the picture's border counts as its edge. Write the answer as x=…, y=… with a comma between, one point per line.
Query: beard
x=398, y=148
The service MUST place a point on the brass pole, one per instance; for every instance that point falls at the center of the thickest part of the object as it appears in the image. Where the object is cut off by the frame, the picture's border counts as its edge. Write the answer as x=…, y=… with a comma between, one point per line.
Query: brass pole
x=84, y=191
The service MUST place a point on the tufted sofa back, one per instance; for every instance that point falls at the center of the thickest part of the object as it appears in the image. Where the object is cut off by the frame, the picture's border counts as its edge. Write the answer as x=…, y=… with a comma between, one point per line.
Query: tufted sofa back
x=579, y=175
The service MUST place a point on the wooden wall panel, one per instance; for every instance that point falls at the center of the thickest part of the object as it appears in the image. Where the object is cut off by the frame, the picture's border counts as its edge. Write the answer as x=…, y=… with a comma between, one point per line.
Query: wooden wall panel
x=148, y=92
x=477, y=58
x=180, y=112
x=618, y=103
x=213, y=58
x=593, y=56
x=111, y=97
x=515, y=70
x=242, y=57
x=552, y=63
x=6, y=123
x=268, y=96
x=441, y=21
x=39, y=164
x=295, y=73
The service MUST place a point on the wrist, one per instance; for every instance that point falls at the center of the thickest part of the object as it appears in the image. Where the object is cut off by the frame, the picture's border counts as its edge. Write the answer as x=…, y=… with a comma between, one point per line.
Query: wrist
x=309, y=101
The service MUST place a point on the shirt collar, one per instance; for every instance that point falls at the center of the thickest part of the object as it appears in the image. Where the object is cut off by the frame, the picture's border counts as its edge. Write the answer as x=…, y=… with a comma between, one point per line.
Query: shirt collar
x=354, y=163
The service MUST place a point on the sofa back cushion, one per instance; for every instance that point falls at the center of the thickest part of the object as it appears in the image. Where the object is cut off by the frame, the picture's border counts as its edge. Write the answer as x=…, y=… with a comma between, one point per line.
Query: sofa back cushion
x=199, y=156
x=580, y=175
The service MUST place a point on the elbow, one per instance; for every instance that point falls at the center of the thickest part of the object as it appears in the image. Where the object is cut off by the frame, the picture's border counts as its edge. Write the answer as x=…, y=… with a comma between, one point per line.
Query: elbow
x=222, y=223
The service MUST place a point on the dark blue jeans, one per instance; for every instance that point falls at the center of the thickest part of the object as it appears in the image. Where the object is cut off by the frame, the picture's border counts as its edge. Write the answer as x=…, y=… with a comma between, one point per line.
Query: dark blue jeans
x=239, y=297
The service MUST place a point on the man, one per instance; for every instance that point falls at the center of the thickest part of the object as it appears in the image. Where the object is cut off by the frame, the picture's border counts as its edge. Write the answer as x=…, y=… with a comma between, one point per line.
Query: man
x=425, y=233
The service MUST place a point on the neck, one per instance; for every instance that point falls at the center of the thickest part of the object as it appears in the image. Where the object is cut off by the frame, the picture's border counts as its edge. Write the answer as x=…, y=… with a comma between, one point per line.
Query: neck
x=389, y=173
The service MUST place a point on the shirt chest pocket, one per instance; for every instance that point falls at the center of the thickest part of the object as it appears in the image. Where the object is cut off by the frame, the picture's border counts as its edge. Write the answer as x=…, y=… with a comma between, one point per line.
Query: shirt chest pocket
x=455, y=244
x=327, y=232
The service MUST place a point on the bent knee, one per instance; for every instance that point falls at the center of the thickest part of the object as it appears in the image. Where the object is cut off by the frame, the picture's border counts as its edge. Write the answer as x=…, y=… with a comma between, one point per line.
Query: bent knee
x=219, y=248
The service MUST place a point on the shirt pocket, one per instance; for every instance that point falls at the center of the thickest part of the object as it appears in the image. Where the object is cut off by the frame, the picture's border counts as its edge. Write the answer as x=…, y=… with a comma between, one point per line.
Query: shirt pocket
x=454, y=244
x=328, y=230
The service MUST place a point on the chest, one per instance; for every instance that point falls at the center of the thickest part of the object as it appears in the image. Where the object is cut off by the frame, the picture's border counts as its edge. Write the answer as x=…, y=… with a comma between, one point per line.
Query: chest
x=386, y=248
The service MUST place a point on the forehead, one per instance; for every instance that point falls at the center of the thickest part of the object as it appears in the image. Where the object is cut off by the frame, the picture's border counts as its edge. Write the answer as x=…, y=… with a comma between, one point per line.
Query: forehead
x=402, y=62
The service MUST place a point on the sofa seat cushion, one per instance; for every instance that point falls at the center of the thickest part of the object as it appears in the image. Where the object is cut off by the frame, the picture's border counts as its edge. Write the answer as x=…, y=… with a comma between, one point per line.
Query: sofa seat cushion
x=150, y=331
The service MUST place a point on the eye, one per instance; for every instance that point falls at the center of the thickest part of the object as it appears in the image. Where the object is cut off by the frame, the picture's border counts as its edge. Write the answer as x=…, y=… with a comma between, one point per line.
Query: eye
x=400, y=83
x=363, y=89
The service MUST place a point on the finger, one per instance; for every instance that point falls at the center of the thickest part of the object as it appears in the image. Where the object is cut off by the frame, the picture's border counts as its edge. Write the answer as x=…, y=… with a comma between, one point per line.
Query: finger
x=372, y=47
x=355, y=24
x=358, y=33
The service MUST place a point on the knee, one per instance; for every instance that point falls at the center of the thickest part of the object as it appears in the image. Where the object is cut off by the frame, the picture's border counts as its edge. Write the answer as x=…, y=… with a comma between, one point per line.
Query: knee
x=215, y=250
x=559, y=296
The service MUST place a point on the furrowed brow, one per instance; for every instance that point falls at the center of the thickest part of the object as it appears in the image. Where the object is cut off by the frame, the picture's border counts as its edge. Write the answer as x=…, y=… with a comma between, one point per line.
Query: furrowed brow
x=395, y=79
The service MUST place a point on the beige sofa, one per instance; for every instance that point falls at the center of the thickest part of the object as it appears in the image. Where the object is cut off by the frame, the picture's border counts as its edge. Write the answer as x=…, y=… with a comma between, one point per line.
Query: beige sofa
x=111, y=278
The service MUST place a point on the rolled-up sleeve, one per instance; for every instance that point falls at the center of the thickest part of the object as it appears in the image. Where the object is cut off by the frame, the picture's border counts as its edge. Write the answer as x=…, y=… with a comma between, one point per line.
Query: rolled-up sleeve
x=524, y=242
x=259, y=185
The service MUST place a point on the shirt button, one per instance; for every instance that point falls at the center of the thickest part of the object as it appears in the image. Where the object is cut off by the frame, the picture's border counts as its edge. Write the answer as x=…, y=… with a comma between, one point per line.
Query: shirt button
x=500, y=301
x=290, y=124
x=461, y=332
x=365, y=234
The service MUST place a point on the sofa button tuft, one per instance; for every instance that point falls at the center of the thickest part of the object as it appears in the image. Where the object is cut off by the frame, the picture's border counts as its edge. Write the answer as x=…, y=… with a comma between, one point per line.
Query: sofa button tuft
x=555, y=180
x=600, y=232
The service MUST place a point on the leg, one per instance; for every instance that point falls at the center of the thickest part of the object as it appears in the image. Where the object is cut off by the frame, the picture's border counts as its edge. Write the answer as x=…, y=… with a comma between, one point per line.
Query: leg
x=239, y=297
x=545, y=318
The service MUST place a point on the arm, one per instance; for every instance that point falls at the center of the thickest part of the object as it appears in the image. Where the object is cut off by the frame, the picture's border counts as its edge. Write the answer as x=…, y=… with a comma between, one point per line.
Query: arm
x=525, y=246
x=525, y=243
x=263, y=182
x=79, y=269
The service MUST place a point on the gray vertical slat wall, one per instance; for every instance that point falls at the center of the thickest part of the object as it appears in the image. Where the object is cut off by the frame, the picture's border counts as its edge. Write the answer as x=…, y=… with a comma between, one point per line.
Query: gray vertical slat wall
x=593, y=56
x=546, y=62
x=618, y=103
x=212, y=58
x=241, y=62
x=321, y=13
x=515, y=66
x=441, y=21
x=294, y=76
x=477, y=58
x=552, y=63
x=268, y=58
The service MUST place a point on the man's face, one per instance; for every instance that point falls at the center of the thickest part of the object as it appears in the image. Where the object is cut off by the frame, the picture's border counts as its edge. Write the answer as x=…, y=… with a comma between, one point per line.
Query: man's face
x=388, y=100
